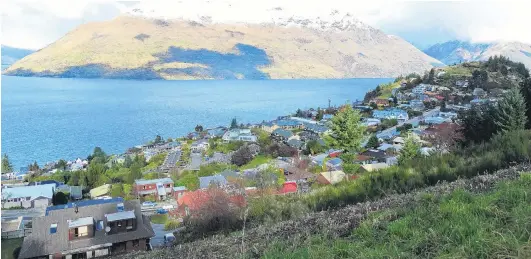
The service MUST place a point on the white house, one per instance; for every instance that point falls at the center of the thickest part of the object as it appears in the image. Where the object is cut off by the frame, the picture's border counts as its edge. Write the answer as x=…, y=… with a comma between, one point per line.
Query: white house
x=239, y=135
x=28, y=196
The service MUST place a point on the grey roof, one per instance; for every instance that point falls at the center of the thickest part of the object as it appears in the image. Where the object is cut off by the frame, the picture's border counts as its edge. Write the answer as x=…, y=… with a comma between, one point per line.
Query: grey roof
x=295, y=143
x=130, y=214
x=179, y=188
x=161, y=180
x=41, y=243
x=204, y=182
x=283, y=133
x=34, y=191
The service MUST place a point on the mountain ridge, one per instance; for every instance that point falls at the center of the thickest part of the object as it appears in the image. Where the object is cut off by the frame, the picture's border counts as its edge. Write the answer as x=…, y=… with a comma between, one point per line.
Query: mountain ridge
x=150, y=47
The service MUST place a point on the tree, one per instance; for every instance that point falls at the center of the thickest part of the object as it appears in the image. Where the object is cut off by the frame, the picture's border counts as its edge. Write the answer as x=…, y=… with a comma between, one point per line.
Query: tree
x=198, y=128
x=511, y=111
x=447, y=137
x=525, y=89
x=128, y=161
x=6, y=165
x=61, y=165
x=374, y=106
x=233, y=124
x=347, y=131
x=135, y=173
x=242, y=156
x=158, y=139
x=299, y=113
x=373, y=142
x=320, y=114
x=59, y=198
x=409, y=151
x=314, y=147
x=478, y=123
x=34, y=167
x=431, y=76
x=503, y=70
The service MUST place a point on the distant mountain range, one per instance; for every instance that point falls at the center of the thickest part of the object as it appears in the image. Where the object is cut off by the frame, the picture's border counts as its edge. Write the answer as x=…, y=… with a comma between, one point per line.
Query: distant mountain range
x=461, y=51
x=10, y=55
x=156, y=42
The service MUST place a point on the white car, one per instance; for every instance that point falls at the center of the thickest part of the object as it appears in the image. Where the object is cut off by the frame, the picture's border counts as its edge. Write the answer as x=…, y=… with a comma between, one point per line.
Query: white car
x=148, y=204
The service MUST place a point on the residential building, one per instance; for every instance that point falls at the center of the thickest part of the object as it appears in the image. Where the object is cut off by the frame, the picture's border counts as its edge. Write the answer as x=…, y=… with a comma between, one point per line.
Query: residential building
x=334, y=163
x=269, y=127
x=369, y=122
x=417, y=105
x=100, y=191
x=419, y=89
x=373, y=167
x=191, y=203
x=479, y=92
x=316, y=128
x=239, y=135
x=199, y=146
x=295, y=143
x=289, y=187
x=303, y=120
x=331, y=177
x=289, y=124
x=37, y=196
x=380, y=102
x=159, y=188
x=327, y=117
x=179, y=191
x=205, y=182
x=89, y=229
x=282, y=134
x=397, y=114
x=216, y=132
x=436, y=120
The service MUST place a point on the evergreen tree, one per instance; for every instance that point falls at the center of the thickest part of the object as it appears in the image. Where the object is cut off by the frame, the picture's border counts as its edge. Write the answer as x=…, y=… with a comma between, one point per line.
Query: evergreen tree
x=198, y=128
x=409, y=151
x=320, y=114
x=478, y=123
x=299, y=113
x=59, y=199
x=233, y=124
x=503, y=70
x=158, y=139
x=6, y=165
x=128, y=161
x=511, y=111
x=525, y=89
x=347, y=131
x=431, y=76
x=373, y=142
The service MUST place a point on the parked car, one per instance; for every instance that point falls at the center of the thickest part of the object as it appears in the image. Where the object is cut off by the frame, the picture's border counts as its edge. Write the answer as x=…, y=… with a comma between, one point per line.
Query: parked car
x=169, y=238
x=148, y=204
x=162, y=211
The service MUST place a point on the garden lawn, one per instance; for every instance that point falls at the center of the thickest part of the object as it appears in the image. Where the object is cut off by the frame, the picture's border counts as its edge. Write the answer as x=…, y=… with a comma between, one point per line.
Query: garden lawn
x=257, y=160
x=159, y=218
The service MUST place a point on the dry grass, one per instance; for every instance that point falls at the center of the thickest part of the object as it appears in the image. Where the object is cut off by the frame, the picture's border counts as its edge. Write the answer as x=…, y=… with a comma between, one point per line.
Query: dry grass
x=295, y=52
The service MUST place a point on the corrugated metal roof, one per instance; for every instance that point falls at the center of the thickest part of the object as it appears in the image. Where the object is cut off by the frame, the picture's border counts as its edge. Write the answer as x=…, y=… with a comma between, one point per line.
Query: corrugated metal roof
x=120, y=215
x=80, y=222
x=83, y=204
x=162, y=180
x=204, y=182
x=44, y=190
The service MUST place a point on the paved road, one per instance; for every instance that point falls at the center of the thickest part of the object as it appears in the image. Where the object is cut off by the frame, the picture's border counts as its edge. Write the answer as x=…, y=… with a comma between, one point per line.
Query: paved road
x=158, y=239
x=413, y=120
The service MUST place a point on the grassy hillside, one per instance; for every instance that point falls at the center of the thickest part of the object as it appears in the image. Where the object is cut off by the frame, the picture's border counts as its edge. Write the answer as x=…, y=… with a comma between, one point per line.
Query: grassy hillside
x=459, y=225
x=129, y=47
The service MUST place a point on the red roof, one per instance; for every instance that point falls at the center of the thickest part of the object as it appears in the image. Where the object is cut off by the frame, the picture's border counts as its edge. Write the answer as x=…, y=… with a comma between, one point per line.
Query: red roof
x=289, y=187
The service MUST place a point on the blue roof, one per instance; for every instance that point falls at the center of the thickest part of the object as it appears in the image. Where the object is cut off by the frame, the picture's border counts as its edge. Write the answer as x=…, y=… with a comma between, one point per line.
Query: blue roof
x=316, y=128
x=84, y=203
x=204, y=182
x=336, y=161
x=179, y=188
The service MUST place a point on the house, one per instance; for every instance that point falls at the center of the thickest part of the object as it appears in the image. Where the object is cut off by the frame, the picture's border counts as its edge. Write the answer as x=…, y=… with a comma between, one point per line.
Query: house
x=318, y=159
x=450, y=115
x=54, y=182
x=199, y=146
x=216, y=132
x=380, y=102
x=205, y=182
x=327, y=117
x=231, y=175
x=369, y=122
x=295, y=174
x=417, y=105
x=479, y=92
x=461, y=83
x=435, y=120
x=159, y=188
x=304, y=121
x=269, y=127
x=331, y=177
x=27, y=196
x=95, y=229
x=388, y=133
x=334, y=163
x=399, y=141
x=295, y=143
x=13, y=228
x=288, y=187
x=397, y=114
x=289, y=124
x=191, y=203
x=282, y=134
x=419, y=89
x=179, y=191
x=103, y=190
x=375, y=155
x=373, y=167
x=239, y=135
x=316, y=128
x=334, y=153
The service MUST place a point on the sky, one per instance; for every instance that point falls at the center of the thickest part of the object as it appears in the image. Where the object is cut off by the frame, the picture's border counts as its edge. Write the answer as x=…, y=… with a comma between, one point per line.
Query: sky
x=33, y=24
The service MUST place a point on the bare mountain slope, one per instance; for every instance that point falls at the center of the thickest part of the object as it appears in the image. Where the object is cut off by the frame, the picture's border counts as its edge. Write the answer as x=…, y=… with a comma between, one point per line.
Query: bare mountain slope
x=146, y=47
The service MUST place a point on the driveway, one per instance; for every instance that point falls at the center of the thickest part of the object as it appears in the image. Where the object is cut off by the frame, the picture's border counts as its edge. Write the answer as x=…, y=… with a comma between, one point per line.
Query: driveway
x=158, y=239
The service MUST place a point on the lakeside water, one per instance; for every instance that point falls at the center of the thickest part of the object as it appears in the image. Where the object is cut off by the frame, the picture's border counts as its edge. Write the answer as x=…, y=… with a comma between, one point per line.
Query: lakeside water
x=45, y=119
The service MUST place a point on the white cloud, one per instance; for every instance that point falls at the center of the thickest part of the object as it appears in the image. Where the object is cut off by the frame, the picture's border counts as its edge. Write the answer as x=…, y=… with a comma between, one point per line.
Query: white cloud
x=34, y=24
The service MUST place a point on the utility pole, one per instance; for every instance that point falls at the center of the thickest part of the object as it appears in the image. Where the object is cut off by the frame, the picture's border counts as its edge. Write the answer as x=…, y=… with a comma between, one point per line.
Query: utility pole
x=328, y=103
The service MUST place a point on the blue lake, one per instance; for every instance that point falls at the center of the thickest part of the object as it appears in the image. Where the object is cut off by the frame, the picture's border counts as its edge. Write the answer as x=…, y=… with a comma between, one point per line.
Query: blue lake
x=45, y=119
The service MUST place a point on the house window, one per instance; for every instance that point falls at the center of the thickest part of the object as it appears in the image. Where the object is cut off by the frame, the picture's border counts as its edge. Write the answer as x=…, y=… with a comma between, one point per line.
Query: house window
x=99, y=225
x=143, y=187
x=53, y=228
x=136, y=243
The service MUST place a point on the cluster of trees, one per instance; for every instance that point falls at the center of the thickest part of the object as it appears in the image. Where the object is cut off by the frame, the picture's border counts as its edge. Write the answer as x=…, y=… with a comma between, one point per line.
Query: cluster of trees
x=511, y=113
x=7, y=167
x=501, y=63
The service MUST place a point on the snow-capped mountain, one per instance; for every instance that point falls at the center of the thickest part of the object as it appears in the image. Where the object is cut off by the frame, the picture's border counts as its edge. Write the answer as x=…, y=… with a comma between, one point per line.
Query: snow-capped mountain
x=223, y=39
x=461, y=51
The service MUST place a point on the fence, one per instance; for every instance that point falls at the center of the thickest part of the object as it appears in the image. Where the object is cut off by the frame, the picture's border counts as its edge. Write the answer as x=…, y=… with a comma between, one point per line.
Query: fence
x=16, y=233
